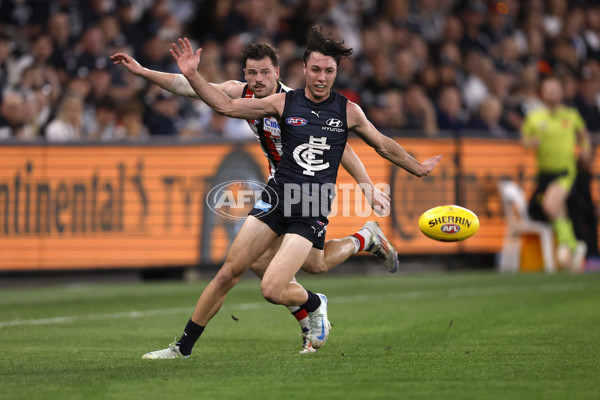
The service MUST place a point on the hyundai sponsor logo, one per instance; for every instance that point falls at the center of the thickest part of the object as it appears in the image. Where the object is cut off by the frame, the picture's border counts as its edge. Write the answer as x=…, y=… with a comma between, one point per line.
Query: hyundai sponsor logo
x=334, y=122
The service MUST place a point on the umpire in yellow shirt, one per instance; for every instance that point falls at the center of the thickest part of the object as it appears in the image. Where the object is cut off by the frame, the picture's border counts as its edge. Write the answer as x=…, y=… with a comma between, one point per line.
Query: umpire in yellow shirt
x=554, y=131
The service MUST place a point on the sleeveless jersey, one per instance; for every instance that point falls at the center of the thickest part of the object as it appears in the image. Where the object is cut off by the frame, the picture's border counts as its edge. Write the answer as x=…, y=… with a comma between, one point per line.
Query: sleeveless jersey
x=314, y=138
x=267, y=131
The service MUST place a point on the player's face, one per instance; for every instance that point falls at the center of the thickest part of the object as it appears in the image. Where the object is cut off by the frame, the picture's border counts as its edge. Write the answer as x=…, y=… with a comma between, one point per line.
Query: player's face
x=551, y=92
x=261, y=76
x=320, y=71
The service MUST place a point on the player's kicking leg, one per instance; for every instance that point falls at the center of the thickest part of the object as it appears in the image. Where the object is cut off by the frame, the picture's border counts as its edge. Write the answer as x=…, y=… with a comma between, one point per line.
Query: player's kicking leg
x=369, y=238
x=380, y=247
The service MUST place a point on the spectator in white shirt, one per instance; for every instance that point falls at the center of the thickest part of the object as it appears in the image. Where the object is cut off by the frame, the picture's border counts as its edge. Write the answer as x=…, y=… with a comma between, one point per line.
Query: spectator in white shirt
x=66, y=127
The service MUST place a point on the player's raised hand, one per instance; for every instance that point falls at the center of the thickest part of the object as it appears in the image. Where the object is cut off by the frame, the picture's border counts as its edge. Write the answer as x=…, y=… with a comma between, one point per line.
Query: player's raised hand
x=128, y=62
x=187, y=60
x=429, y=164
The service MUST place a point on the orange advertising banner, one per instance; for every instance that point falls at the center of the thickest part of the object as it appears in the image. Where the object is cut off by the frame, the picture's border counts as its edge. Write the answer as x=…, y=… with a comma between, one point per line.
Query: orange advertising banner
x=138, y=206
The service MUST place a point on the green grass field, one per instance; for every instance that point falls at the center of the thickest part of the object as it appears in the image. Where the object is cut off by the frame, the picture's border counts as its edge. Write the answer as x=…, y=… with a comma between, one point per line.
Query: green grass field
x=434, y=336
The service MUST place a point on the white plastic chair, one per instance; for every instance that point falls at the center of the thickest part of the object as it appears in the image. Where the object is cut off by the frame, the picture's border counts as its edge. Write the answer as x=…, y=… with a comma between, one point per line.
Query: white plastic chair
x=519, y=223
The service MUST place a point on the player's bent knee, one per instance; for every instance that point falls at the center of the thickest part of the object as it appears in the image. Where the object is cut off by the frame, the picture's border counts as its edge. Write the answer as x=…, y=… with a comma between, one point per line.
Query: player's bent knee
x=234, y=259
x=271, y=293
x=226, y=278
x=551, y=210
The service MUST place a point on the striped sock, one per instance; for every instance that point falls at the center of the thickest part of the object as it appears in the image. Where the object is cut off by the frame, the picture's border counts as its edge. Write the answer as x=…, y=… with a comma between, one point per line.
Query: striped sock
x=361, y=240
x=301, y=316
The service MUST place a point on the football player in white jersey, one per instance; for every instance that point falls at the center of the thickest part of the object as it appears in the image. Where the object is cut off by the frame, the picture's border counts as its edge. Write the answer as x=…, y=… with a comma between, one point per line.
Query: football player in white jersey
x=261, y=70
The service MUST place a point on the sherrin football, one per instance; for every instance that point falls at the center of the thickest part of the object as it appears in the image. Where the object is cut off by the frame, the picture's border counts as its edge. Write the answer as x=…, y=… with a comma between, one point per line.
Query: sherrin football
x=449, y=223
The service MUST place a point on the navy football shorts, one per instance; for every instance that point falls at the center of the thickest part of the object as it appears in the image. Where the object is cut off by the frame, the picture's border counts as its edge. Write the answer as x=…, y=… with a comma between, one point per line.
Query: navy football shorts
x=269, y=211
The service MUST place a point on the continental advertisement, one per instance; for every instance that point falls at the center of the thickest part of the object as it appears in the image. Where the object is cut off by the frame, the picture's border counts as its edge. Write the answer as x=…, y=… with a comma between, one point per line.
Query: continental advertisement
x=143, y=206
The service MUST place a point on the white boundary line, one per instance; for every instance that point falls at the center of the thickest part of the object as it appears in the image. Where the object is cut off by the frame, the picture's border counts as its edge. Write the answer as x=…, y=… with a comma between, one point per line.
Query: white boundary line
x=412, y=295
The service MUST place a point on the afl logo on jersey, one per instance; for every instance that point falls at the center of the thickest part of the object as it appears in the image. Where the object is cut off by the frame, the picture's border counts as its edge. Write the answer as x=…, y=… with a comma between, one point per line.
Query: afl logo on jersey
x=254, y=121
x=296, y=121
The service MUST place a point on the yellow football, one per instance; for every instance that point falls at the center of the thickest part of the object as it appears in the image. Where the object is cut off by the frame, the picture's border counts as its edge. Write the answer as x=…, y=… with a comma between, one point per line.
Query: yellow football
x=449, y=223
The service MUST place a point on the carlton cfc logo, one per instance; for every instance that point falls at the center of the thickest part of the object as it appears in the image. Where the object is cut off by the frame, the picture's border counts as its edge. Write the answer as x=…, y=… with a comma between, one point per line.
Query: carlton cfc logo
x=296, y=121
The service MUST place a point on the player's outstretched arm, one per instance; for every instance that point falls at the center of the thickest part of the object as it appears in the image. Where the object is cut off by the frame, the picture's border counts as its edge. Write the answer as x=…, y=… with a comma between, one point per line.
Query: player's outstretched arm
x=385, y=146
x=174, y=83
x=379, y=201
x=188, y=62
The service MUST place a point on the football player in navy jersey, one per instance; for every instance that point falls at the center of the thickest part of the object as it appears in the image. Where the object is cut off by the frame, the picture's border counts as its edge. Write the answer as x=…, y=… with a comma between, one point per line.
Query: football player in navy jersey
x=314, y=122
x=312, y=147
x=260, y=61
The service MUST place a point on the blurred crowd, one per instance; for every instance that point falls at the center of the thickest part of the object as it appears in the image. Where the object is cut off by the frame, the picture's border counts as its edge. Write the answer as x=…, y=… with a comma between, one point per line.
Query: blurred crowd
x=419, y=66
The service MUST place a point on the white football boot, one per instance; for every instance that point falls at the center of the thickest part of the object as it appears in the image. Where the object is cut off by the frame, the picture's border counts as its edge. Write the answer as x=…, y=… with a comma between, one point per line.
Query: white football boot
x=171, y=352
x=319, y=324
x=381, y=248
x=578, y=263
x=563, y=256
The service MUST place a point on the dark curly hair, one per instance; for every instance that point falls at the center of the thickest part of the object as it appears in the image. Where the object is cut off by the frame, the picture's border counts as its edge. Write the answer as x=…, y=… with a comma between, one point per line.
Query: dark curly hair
x=321, y=42
x=258, y=51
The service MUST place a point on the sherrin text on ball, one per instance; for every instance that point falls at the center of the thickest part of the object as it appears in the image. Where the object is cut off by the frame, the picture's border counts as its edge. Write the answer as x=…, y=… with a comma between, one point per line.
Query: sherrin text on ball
x=449, y=223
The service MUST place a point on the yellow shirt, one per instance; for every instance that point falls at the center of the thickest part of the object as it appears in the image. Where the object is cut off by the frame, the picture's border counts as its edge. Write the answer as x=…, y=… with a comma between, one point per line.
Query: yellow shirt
x=557, y=135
